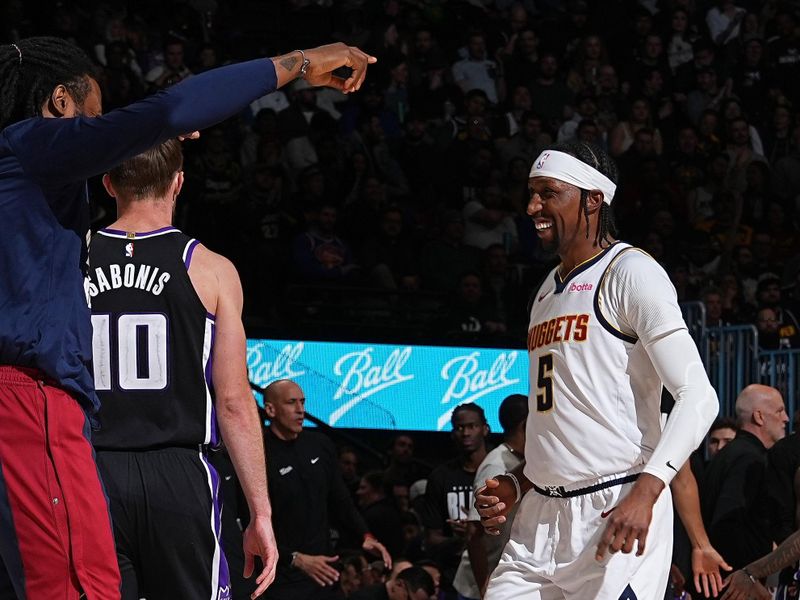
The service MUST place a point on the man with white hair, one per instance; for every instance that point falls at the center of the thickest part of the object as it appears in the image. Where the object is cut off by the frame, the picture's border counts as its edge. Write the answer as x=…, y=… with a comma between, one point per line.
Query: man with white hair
x=605, y=335
x=735, y=507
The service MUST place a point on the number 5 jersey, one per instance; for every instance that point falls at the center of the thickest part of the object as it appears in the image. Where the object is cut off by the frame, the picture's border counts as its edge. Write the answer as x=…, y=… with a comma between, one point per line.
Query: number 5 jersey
x=594, y=392
x=152, y=341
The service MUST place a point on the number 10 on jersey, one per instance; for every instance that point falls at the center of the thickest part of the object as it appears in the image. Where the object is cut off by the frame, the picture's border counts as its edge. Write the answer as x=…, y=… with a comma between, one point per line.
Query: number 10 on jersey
x=141, y=352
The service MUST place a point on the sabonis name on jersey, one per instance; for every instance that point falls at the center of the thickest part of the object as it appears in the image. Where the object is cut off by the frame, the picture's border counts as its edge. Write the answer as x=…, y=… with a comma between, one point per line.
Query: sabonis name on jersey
x=143, y=277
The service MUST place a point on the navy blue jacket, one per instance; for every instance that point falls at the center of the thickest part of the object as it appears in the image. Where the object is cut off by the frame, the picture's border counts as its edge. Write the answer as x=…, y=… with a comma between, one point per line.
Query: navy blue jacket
x=44, y=211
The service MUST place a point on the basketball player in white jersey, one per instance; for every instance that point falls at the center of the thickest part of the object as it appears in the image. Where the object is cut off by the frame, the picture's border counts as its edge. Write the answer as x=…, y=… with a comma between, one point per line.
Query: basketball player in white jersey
x=605, y=333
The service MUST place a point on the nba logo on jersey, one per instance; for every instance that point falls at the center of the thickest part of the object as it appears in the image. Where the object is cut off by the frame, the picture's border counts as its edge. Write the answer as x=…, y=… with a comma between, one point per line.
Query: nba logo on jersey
x=540, y=162
x=129, y=250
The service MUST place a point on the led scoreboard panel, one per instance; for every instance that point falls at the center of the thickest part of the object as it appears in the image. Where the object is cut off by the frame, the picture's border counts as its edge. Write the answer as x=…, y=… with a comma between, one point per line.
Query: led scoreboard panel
x=382, y=386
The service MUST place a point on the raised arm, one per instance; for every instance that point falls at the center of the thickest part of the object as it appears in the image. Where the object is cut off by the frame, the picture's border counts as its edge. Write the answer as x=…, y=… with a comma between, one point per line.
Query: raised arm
x=72, y=149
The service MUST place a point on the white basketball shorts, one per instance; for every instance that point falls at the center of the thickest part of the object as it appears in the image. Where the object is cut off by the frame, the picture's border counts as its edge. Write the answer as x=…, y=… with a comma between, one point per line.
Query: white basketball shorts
x=551, y=552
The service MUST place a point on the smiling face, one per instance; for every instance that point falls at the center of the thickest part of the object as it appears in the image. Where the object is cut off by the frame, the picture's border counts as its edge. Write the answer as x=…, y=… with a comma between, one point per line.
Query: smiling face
x=555, y=209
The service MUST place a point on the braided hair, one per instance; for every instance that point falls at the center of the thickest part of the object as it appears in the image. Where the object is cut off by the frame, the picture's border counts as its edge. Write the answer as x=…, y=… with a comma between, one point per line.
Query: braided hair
x=32, y=68
x=597, y=159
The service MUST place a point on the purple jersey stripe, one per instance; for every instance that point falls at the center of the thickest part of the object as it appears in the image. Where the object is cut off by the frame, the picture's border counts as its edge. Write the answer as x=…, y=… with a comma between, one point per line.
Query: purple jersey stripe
x=214, y=428
x=188, y=260
x=223, y=591
x=139, y=233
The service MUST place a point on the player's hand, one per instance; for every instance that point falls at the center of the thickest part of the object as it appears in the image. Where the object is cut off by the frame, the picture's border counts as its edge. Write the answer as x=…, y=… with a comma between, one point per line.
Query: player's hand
x=629, y=521
x=373, y=546
x=318, y=567
x=326, y=59
x=706, y=564
x=494, y=501
x=259, y=540
x=740, y=587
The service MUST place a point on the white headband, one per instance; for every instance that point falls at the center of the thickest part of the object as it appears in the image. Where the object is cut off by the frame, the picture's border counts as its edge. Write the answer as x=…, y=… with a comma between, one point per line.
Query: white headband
x=565, y=167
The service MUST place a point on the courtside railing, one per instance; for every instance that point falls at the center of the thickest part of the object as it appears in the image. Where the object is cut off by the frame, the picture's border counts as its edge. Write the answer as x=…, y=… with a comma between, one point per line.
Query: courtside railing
x=780, y=369
x=733, y=360
x=694, y=313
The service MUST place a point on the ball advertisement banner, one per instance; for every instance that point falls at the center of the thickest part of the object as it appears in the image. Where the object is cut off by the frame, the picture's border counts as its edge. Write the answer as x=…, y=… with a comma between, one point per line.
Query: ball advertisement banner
x=382, y=386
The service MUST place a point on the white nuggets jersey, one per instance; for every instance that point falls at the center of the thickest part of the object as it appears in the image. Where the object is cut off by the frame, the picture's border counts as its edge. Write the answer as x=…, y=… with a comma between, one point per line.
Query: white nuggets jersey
x=594, y=393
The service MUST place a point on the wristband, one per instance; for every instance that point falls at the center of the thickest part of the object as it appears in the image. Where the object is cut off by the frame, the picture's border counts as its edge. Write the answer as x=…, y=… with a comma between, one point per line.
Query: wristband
x=304, y=66
x=517, y=489
x=753, y=580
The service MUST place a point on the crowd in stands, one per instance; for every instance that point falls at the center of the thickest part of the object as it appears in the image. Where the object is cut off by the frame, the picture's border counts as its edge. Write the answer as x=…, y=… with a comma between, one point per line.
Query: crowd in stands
x=414, y=190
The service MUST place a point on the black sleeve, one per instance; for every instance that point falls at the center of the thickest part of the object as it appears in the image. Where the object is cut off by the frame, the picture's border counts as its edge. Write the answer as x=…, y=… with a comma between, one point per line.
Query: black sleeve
x=68, y=150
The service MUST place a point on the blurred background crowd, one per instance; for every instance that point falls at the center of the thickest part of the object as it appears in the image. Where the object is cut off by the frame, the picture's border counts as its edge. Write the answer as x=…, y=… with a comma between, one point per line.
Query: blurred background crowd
x=401, y=209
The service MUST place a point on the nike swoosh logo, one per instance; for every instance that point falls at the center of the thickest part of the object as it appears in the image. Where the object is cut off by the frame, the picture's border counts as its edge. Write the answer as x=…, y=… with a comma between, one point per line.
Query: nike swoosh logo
x=228, y=477
x=543, y=296
x=285, y=470
x=605, y=513
x=314, y=460
x=671, y=467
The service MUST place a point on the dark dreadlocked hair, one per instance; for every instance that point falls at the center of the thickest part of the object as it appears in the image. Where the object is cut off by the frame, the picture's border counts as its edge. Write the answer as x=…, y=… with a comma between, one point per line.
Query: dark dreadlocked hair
x=46, y=62
x=598, y=159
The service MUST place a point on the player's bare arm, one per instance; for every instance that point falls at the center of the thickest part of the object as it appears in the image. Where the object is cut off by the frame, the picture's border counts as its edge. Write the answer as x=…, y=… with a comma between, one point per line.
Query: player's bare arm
x=706, y=561
x=218, y=285
x=320, y=64
x=477, y=555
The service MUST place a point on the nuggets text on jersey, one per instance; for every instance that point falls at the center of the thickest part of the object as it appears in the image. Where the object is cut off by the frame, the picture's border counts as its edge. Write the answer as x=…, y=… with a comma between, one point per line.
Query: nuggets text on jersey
x=567, y=328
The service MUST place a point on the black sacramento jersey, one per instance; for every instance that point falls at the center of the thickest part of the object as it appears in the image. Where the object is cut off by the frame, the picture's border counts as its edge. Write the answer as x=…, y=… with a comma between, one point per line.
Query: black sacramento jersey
x=152, y=342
